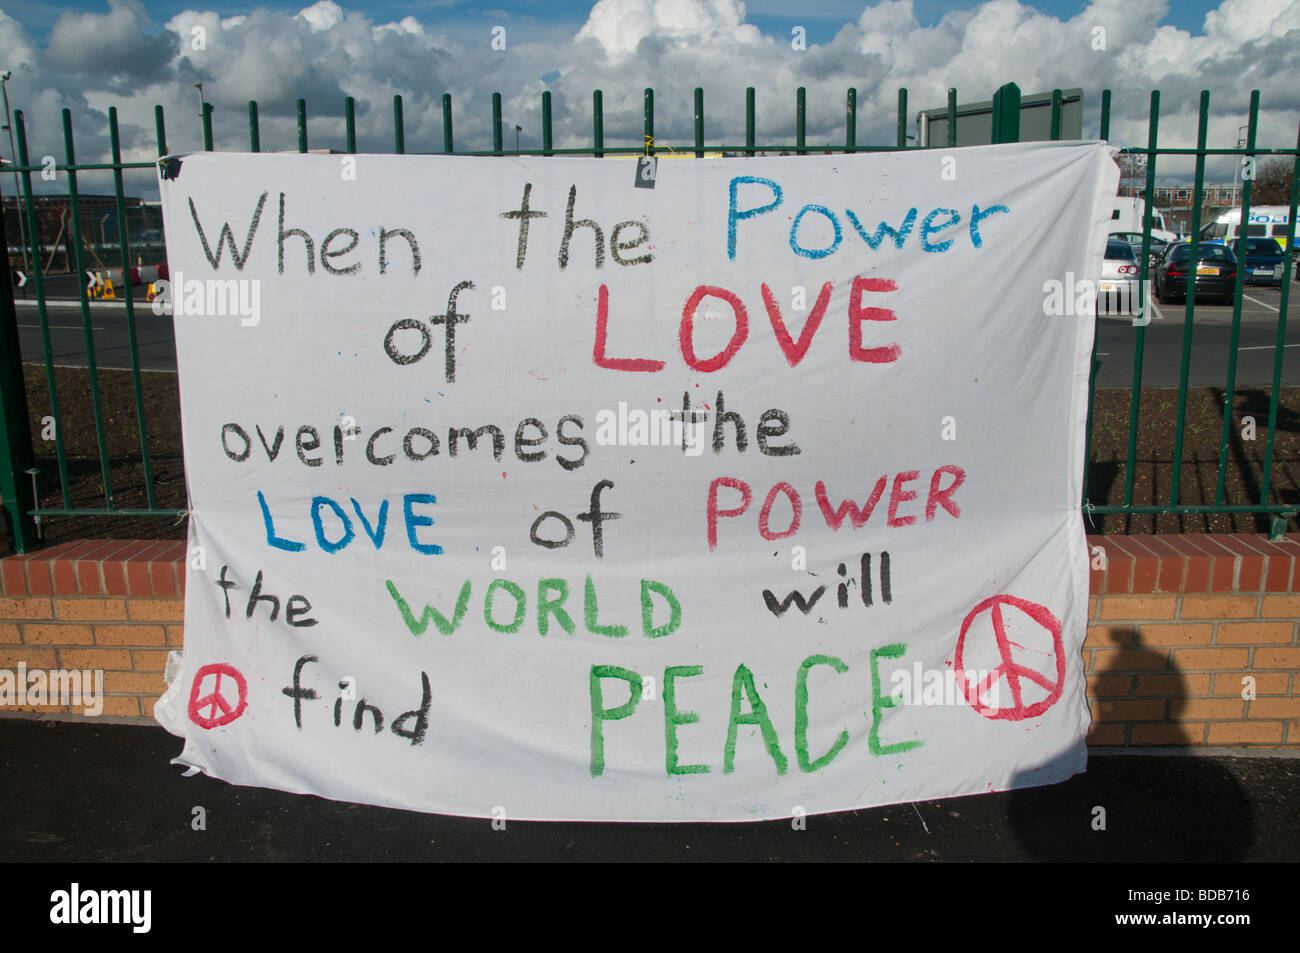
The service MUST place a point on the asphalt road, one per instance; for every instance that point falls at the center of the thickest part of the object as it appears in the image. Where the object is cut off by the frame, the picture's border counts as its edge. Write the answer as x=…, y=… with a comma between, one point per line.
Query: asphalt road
x=84, y=792
x=1116, y=342
x=154, y=337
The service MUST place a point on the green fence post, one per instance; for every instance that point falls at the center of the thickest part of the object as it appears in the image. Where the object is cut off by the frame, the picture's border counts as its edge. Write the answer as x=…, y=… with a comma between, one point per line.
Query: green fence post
x=92, y=358
x=1006, y=114
x=749, y=120
x=254, y=133
x=399, y=127
x=902, y=118
x=350, y=125
x=1202, y=132
x=1234, y=338
x=119, y=195
x=38, y=280
x=496, y=124
x=952, y=116
x=851, y=121
x=699, y=123
x=547, y=139
x=800, y=121
x=446, y=124
x=16, y=437
x=649, y=121
x=1094, y=364
x=160, y=131
x=597, y=125
x=1279, y=531
x=1139, y=341
x=207, y=127
x=302, y=125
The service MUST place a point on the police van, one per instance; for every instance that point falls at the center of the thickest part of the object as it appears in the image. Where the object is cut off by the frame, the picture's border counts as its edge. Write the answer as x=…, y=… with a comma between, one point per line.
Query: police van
x=1266, y=221
x=1129, y=214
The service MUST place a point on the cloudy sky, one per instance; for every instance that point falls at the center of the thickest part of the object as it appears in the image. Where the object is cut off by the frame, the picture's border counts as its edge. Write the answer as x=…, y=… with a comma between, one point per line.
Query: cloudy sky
x=88, y=56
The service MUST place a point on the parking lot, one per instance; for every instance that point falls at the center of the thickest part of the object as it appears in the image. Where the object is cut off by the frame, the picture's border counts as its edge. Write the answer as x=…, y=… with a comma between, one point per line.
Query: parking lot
x=1211, y=336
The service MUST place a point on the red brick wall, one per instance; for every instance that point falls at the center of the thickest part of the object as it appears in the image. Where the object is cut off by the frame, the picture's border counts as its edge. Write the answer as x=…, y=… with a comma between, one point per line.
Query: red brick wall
x=115, y=605
x=1176, y=623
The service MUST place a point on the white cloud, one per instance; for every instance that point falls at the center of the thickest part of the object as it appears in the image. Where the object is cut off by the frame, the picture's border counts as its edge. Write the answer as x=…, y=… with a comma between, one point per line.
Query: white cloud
x=1244, y=20
x=405, y=25
x=619, y=26
x=322, y=15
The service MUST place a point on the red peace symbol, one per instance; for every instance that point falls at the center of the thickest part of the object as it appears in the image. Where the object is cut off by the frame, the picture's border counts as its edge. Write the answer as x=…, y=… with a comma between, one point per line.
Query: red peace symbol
x=217, y=706
x=1010, y=669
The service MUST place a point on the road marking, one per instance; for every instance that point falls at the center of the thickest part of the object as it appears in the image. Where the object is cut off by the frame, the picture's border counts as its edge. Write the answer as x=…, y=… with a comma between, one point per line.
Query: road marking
x=1257, y=301
x=110, y=367
x=1264, y=347
x=62, y=327
x=111, y=305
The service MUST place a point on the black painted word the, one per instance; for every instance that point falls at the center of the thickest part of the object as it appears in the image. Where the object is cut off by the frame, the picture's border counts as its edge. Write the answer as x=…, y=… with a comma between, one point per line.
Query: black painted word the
x=619, y=248
x=295, y=609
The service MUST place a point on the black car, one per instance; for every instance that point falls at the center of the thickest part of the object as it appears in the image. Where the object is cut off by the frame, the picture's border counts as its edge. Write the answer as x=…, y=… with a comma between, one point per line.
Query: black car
x=1216, y=273
x=1264, y=261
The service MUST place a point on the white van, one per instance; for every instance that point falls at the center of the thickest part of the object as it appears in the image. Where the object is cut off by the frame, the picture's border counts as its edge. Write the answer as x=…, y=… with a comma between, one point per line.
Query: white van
x=1266, y=221
x=1128, y=215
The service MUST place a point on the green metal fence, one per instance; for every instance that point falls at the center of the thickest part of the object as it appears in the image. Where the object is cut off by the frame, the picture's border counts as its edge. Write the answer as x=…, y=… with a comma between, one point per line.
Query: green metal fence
x=16, y=454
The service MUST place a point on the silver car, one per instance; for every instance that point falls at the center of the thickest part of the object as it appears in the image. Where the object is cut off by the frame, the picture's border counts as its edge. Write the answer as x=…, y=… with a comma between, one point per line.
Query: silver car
x=1117, y=291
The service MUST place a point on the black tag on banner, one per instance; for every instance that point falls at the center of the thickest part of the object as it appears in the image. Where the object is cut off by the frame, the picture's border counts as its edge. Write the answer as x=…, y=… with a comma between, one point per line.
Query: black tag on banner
x=646, y=169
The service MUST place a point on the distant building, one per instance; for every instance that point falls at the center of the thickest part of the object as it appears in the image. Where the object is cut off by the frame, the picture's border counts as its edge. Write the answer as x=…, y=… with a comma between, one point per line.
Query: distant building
x=1176, y=202
x=99, y=231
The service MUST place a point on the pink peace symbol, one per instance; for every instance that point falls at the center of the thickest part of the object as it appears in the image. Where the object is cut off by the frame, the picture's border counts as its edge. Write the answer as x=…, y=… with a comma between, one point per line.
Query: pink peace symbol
x=1012, y=670
x=214, y=701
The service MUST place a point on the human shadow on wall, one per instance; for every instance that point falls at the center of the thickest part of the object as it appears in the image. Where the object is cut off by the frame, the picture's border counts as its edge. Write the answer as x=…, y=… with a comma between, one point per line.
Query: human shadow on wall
x=1137, y=807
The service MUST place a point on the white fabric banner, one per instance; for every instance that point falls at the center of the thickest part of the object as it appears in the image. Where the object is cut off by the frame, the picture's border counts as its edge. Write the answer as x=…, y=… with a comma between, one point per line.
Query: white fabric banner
x=558, y=488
